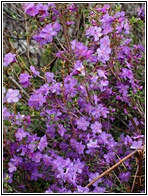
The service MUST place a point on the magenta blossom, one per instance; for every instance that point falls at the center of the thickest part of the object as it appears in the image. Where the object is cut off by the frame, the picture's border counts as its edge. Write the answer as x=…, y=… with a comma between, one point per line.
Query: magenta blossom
x=9, y=58
x=25, y=80
x=36, y=100
x=96, y=127
x=79, y=67
x=13, y=96
x=30, y=9
x=35, y=73
x=103, y=53
x=43, y=143
x=82, y=124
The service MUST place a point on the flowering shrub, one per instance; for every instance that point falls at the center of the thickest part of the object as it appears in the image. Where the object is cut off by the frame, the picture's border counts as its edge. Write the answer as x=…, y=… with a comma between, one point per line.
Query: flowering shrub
x=64, y=128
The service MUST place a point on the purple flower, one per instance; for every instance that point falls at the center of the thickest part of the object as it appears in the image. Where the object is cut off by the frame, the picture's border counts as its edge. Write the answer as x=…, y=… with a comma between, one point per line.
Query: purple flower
x=103, y=83
x=43, y=143
x=72, y=7
x=30, y=9
x=81, y=189
x=79, y=67
x=81, y=50
x=31, y=147
x=25, y=80
x=42, y=10
x=16, y=160
x=136, y=145
x=82, y=124
x=35, y=73
x=35, y=174
x=44, y=89
x=46, y=159
x=124, y=177
x=49, y=76
x=105, y=41
x=101, y=74
x=56, y=88
x=77, y=146
x=92, y=144
x=106, y=19
x=96, y=127
x=49, y=191
x=13, y=96
x=36, y=157
x=12, y=167
x=93, y=176
x=109, y=157
x=47, y=33
x=20, y=134
x=103, y=53
x=107, y=28
x=39, y=39
x=100, y=111
x=56, y=26
x=99, y=190
x=61, y=130
x=95, y=32
x=126, y=73
x=9, y=58
x=123, y=89
x=36, y=100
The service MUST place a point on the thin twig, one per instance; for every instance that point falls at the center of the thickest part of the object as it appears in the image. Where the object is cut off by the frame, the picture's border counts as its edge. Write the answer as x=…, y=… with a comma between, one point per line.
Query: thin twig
x=133, y=185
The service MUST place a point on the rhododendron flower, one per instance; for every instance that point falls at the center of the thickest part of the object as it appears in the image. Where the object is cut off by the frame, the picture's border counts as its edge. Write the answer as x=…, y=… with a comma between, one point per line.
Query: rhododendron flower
x=92, y=144
x=36, y=157
x=9, y=58
x=13, y=96
x=96, y=127
x=82, y=124
x=42, y=10
x=124, y=177
x=49, y=76
x=102, y=84
x=36, y=100
x=136, y=145
x=79, y=67
x=20, y=134
x=47, y=33
x=12, y=167
x=35, y=73
x=103, y=53
x=93, y=176
x=105, y=41
x=95, y=32
x=25, y=80
x=81, y=189
x=43, y=143
x=30, y=9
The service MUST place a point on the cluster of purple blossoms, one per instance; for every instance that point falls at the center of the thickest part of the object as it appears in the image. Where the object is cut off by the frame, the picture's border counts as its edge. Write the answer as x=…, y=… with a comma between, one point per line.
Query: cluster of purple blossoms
x=40, y=10
x=95, y=32
x=73, y=142
x=82, y=124
x=36, y=100
x=104, y=50
x=47, y=33
x=82, y=51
